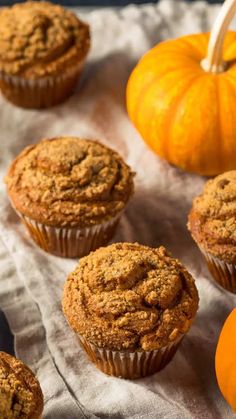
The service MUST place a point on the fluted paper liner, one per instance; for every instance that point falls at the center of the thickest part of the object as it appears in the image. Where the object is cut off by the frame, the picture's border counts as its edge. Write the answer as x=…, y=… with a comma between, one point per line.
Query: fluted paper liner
x=128, y=364
x=42, y=92
x=223, y=273
x=70, y=242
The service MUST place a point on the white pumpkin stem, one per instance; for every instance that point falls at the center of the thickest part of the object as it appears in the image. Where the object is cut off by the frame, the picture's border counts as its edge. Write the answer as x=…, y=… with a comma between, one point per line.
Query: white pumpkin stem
x=214, y=60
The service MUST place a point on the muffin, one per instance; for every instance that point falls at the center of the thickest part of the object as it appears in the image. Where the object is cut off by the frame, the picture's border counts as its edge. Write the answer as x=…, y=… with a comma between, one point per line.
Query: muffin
x=130, y=306
x=42, y=51
x=20, y=392
x=212, y=223
x=70, y=193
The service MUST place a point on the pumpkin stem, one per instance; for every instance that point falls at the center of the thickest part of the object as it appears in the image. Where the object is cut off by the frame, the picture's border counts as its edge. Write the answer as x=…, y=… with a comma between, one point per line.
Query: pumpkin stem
x=214, y=60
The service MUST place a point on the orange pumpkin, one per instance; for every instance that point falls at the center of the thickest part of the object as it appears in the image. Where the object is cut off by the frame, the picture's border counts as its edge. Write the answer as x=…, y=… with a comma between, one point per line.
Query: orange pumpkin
x=225, y=360
x=185, y=106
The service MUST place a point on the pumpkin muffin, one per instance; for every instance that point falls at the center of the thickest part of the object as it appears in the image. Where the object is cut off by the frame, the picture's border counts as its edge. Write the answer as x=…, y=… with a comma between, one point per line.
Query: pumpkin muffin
x=20, y=392
x=130, y=306
x=212, y=223
x=70, y=193
x=42, y=51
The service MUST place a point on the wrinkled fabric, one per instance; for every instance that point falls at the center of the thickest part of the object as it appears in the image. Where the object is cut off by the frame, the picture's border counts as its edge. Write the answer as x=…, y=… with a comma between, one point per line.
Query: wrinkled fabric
x=31, y=280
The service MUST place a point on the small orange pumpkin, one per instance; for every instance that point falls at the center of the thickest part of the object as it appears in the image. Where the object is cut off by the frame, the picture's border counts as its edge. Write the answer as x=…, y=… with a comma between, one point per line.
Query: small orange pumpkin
x=225, y=360
x=183, y=105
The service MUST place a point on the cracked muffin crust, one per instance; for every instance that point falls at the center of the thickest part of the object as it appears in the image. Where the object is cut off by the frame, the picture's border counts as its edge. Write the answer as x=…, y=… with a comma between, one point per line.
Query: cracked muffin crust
x=43, y=48
x=69, y=181
x=212, y=220
x=39, y=39
x=69, y=192
x=130, y=297
x=20, y=392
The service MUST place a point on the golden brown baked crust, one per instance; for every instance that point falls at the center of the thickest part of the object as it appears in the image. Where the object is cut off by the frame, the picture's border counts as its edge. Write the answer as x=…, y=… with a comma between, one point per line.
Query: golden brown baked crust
x=212, y=220
x=129, y=296
x=20, y=392
x=39, y=39
x=69, y=181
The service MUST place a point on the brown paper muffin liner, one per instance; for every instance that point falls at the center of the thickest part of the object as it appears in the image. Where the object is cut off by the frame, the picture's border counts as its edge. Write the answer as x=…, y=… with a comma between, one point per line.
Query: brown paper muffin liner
x=127, y=364
x=223, y=273
x=40, y=93
x=71, y=242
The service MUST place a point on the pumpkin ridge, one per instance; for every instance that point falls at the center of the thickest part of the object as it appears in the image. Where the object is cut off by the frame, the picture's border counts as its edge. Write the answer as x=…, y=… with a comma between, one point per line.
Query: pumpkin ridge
x=227, y=78
x=219, y=123
x=157, y=79
x=176, y=58
x=196, y=48
x=229, y=45
x=225, y=360
x=173, y=110
x=230, y=76
x=141, y=95
x=152, y=116
x=232, y=83
x=171, y=52
x=170, y=46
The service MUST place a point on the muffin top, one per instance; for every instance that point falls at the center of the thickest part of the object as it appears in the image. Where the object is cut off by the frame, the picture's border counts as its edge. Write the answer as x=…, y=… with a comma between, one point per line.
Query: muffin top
x=212, y=220
x=39, y=39
x=69, y=181
x=20, y=392
x=129, y=296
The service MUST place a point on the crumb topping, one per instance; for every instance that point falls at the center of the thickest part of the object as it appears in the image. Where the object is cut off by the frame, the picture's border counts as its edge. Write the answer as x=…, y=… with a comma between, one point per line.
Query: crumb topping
x=212, y=220
x=69, y=181
x=39, y=38
x=20, y=393
x=129, y=296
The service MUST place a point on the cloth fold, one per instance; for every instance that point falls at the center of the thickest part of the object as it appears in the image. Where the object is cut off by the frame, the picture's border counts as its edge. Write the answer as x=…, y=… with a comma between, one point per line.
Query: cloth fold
x=32, y=281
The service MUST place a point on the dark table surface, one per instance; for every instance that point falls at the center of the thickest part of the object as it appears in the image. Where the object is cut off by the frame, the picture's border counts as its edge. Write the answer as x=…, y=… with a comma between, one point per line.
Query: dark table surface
x=6, y=338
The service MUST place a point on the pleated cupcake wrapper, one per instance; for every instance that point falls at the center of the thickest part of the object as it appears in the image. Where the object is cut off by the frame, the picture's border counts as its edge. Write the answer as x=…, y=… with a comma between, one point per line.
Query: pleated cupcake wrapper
x=41, y=92
x=42, y=82
x=223, y=273
x=127, y=364
x=70, y=241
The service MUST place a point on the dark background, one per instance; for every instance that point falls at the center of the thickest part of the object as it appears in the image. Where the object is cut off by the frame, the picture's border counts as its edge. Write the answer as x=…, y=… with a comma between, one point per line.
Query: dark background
x=96, y=2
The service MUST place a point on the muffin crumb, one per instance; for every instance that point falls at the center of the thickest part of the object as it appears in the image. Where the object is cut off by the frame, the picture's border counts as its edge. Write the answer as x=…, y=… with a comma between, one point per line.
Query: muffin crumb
x=133, y=296
x=20, y=393
x=69, y=181
x=212, y=220
x=38, y=38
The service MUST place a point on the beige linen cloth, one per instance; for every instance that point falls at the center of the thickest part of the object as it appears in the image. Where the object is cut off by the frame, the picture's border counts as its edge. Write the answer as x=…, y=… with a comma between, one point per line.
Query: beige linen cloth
x=31, y=281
